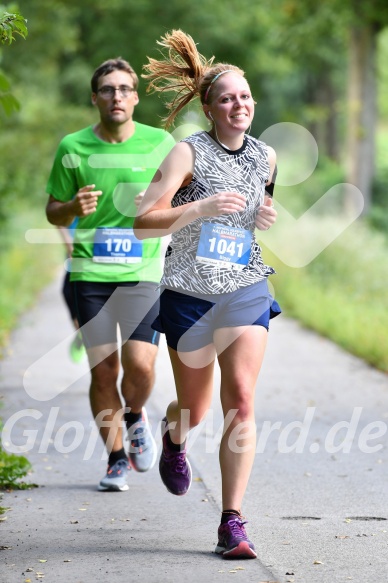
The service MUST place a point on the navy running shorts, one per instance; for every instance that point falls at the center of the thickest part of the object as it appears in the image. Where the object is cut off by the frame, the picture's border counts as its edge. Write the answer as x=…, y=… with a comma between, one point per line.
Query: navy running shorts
x=191, y=319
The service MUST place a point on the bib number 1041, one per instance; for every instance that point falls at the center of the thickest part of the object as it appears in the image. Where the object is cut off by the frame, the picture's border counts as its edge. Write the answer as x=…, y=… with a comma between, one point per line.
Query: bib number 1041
x=222, y=246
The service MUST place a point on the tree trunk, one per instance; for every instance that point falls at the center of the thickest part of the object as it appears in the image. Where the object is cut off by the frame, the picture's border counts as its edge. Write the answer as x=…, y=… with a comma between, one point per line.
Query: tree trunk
x=331, y=134
x=360, y=151
x=322, y=99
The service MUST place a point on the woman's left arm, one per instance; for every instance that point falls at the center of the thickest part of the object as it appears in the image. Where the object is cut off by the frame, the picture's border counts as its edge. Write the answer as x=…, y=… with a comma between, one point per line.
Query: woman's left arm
x=266, y=214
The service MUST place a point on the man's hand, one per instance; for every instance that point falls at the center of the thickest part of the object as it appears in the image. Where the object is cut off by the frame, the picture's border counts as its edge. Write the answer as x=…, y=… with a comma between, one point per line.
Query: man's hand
x=138, y=198
x=85, y=201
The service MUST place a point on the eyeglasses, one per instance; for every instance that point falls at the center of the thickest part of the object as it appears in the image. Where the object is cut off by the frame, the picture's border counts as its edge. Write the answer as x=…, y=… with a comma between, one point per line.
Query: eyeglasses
x=107, y=91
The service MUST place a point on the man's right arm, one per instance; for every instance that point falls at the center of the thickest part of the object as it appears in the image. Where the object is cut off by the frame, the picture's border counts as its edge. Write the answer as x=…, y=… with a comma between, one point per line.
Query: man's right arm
x=60, y=214
x=84, y=203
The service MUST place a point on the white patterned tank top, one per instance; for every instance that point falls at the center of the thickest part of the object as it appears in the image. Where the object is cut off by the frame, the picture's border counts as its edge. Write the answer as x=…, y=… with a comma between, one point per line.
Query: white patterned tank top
x=213, y=255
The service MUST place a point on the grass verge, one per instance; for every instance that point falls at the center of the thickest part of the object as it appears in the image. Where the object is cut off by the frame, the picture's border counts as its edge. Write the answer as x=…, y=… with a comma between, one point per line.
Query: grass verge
x=25, y=269
x=342, y=293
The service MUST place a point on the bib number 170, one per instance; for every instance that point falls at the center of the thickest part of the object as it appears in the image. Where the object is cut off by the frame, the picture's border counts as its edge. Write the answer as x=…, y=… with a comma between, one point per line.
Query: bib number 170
x=117, y=245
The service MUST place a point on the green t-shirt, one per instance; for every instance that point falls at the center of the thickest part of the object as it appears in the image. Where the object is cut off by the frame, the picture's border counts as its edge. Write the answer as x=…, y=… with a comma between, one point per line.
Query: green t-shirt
x=105, y=249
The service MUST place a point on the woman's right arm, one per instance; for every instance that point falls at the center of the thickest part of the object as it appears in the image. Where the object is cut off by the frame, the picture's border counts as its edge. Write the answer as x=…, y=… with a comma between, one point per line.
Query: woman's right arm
x=156, y=217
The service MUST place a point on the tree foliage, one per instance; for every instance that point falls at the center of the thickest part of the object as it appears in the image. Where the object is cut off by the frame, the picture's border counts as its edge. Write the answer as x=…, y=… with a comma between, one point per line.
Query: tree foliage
x=294, y=53
x=11, y=23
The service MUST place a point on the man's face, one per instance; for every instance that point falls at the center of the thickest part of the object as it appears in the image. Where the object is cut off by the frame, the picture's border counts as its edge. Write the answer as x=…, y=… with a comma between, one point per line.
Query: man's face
x=115, y=107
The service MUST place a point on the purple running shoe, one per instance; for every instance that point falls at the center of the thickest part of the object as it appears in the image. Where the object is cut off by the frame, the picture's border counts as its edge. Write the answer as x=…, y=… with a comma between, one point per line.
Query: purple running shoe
x=233, y=542
x=174, y=467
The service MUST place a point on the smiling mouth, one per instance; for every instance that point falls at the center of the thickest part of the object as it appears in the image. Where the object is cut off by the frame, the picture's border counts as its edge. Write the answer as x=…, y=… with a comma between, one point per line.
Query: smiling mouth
x=239, y=116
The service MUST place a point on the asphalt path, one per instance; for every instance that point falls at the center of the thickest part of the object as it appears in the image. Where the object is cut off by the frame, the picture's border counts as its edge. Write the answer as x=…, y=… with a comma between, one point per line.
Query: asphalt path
x=317, y=501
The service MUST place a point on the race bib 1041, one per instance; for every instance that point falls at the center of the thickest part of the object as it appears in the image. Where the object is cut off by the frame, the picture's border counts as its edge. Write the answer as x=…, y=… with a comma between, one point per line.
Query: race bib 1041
x=224, y=246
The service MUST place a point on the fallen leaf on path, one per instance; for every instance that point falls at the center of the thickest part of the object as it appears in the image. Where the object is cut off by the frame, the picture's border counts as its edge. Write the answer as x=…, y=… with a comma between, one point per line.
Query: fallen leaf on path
x=67, y=560
x=42, y=560
x=318, y=563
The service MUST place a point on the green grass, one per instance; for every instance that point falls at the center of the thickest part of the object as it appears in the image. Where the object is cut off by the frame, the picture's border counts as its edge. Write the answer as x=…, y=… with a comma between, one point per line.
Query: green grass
x=25, y=269
x=342, y=293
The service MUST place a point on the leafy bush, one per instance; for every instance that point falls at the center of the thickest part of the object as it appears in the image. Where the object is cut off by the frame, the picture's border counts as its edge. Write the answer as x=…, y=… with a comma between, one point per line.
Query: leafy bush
x=12, y=468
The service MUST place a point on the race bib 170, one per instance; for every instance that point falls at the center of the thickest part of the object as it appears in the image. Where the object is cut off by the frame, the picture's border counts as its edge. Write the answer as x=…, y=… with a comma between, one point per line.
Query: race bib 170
x=116, y=245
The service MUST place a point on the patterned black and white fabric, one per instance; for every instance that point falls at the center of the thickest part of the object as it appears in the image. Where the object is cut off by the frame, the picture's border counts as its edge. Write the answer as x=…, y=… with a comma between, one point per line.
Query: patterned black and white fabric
x=216, y=169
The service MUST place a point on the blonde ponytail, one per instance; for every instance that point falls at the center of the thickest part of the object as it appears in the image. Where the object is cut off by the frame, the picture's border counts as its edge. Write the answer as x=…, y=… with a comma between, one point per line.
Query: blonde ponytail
x=184, y=71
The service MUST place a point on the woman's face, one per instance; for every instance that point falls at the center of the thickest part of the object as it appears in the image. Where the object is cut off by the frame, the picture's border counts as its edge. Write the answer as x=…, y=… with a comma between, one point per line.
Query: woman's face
x=232, y=107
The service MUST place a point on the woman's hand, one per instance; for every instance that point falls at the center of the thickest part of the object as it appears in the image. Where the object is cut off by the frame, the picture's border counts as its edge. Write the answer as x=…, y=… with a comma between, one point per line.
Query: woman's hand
x=266, y=215
x=222, y=203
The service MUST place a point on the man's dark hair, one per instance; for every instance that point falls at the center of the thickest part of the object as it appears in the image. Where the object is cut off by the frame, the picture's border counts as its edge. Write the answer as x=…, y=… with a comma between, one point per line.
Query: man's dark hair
x=111, y=65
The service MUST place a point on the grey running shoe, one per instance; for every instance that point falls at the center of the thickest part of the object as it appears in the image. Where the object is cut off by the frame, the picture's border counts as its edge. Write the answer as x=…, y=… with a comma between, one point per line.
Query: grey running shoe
x=116, y=478
x=174, y=467
x=233, y=542
x=142, y=448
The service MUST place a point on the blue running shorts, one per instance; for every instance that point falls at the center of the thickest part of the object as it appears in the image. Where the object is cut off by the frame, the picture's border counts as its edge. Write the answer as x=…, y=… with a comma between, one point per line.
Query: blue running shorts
x=202, y=314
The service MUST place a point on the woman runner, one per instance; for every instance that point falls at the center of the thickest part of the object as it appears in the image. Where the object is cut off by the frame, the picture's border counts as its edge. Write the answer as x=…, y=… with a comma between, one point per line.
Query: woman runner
x=210, y=193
